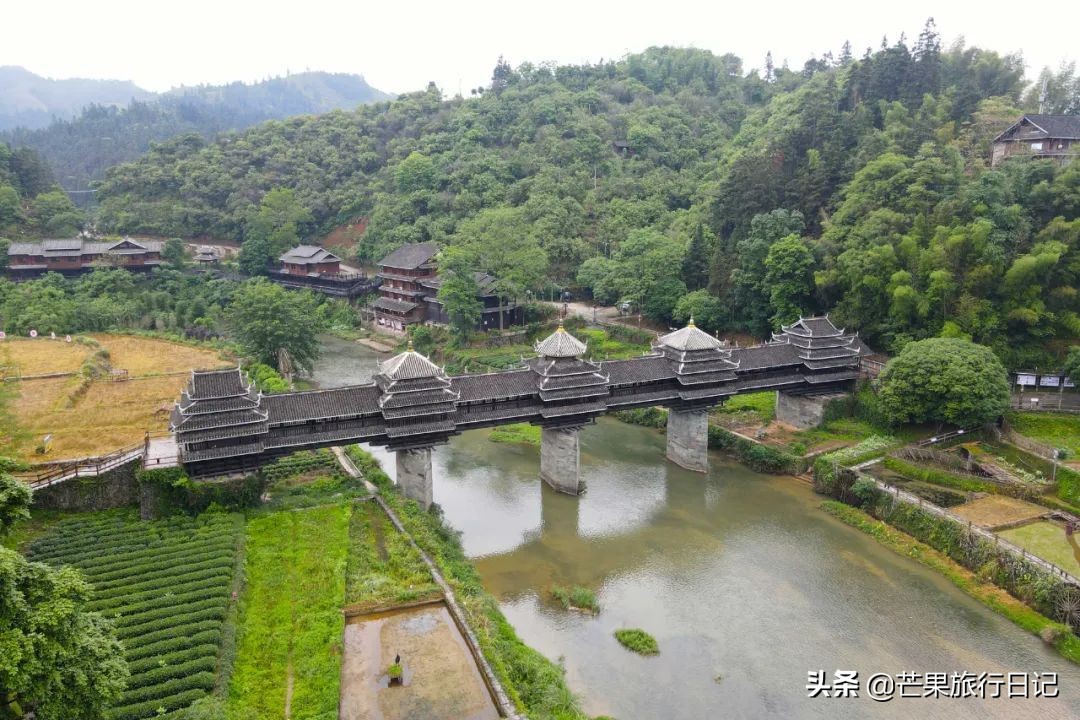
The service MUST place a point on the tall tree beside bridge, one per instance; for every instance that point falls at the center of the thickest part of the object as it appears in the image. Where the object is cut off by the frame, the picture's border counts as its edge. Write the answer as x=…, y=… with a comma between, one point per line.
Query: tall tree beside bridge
x=947, y=380
x=268, y=319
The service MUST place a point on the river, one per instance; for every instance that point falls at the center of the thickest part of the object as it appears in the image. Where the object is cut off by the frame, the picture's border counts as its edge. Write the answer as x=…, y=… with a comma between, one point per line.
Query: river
x=744, y=582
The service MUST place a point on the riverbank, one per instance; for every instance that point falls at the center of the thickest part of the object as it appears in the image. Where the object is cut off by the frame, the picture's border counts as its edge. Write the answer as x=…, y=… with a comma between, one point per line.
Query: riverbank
x=534, y=684
x=1053, y=633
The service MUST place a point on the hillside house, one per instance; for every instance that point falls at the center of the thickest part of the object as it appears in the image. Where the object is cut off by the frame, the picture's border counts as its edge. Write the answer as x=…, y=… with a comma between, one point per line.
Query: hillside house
x=409, y=289
x=1053, y=137
x=74, y=256
x=318, y=269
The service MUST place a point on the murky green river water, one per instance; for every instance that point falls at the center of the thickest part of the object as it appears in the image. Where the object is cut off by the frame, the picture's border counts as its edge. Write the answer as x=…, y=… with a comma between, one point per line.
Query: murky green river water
x=743, y=581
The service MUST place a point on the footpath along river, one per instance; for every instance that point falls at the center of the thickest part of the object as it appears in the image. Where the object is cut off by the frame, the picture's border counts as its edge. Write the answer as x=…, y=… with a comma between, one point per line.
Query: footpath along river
x=745, y=584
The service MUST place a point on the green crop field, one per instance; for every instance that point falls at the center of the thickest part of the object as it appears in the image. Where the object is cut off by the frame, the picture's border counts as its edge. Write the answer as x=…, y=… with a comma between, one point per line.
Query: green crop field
x=290, y=627
x=383, y=568
x=166, y=584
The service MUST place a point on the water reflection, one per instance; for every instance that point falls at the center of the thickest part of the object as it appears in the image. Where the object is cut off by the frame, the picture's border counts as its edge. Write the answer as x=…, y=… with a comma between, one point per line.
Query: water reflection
x=738, y=575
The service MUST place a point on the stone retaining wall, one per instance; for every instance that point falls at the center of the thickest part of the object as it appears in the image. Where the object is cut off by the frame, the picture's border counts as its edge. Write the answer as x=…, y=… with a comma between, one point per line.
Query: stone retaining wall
x=112, y=489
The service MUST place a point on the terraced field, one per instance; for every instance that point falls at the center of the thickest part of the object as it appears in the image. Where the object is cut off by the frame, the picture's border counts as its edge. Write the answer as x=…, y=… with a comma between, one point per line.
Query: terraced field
x=167, y=585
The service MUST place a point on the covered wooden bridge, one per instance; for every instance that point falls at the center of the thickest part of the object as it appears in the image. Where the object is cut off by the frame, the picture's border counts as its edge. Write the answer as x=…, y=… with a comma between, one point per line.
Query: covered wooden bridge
x=222, y=425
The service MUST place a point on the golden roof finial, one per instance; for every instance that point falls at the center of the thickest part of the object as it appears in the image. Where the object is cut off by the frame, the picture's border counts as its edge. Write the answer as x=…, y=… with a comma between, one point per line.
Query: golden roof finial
x=691, y=323
x=410, y=348
x=561, y=328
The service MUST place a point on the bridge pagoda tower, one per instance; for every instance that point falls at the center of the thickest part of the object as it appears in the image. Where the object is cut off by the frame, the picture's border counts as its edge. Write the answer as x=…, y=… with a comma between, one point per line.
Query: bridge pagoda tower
x=830, y=366
x=419, y=408
x=703, y=369
x=572, y=393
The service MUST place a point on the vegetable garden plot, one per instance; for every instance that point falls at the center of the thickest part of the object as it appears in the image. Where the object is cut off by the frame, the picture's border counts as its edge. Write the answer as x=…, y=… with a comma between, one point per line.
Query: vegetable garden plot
x=166, y=586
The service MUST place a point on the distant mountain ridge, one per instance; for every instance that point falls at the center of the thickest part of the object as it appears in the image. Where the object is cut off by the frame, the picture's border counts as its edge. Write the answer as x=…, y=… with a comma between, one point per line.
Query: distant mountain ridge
x=32, y=101
x=117, y=121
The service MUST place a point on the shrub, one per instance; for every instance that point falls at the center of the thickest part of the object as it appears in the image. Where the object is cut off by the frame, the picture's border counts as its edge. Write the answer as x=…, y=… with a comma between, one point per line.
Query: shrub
x=578, y=597
x=867, y=492
x=638, y=641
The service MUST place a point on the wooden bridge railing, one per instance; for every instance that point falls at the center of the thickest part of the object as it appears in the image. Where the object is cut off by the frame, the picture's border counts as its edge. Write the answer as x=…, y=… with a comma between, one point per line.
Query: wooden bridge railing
x=45, y=474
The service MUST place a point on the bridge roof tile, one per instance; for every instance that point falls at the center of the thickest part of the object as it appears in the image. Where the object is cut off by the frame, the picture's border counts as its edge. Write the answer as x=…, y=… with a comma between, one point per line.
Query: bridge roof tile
x=649, y=368
x=513, y=383
x=318, y=404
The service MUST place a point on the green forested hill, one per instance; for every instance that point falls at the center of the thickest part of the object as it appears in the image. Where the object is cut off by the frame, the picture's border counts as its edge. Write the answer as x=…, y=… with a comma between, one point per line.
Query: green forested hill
x=79, y=149
x=676, y=179
x=30, y=201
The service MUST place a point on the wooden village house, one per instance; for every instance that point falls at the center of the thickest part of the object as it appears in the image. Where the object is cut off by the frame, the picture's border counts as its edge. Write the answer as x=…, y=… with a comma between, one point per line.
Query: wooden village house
x=316, y=268
x=1053, y=137
x=74, y=256
x=409, y=288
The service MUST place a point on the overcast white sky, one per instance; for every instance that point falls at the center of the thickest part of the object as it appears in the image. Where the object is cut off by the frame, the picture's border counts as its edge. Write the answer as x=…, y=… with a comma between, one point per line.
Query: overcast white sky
x=400, y=46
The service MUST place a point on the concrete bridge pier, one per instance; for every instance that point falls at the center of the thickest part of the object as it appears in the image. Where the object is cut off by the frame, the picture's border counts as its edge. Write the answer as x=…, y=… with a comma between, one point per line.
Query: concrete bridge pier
x=688, y=439
x=803, y=411
x=414, y=475
x=560, y=459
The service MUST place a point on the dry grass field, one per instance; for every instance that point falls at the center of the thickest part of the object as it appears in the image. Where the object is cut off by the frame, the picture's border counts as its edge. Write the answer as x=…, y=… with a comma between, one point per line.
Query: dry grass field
x=41, y=356
x=994, y=510
x=149, y=356
x=107, y=415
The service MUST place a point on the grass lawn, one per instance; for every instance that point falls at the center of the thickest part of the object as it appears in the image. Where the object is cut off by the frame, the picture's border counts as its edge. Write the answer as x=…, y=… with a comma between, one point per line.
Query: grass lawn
x=1047, y=540
x=1058, y=430
x=290, y=624
x=383, y=568
x=763, y=404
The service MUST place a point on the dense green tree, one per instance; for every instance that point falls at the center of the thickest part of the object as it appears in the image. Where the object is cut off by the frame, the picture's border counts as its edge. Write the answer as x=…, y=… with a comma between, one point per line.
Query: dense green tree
x=58, y=661
x=750, y=288
x=1071, y=368
x=272, y=230
x=790, y=278
x=174, y=253
x=53, y=214
x=10, y=207
x=944, y=380
x=645, y=270
x=459, y=292
x=498, y=242
x=14, y=498
x=695, y=269
x=268, y=319
x=704, y=308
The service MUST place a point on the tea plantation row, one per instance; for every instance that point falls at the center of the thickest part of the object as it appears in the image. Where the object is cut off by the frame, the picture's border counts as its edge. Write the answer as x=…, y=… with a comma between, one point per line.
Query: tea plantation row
x=166, y=585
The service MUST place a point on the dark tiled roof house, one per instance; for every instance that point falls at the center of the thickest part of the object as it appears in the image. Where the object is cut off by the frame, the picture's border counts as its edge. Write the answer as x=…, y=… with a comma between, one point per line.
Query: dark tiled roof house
x=72, y=256
x=1055, y=137
x=409, y=289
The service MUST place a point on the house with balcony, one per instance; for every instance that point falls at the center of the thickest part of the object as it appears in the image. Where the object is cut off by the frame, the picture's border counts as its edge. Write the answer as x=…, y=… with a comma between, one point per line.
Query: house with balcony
x=1050, y=137
x=408, y=293
x=74, y=256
